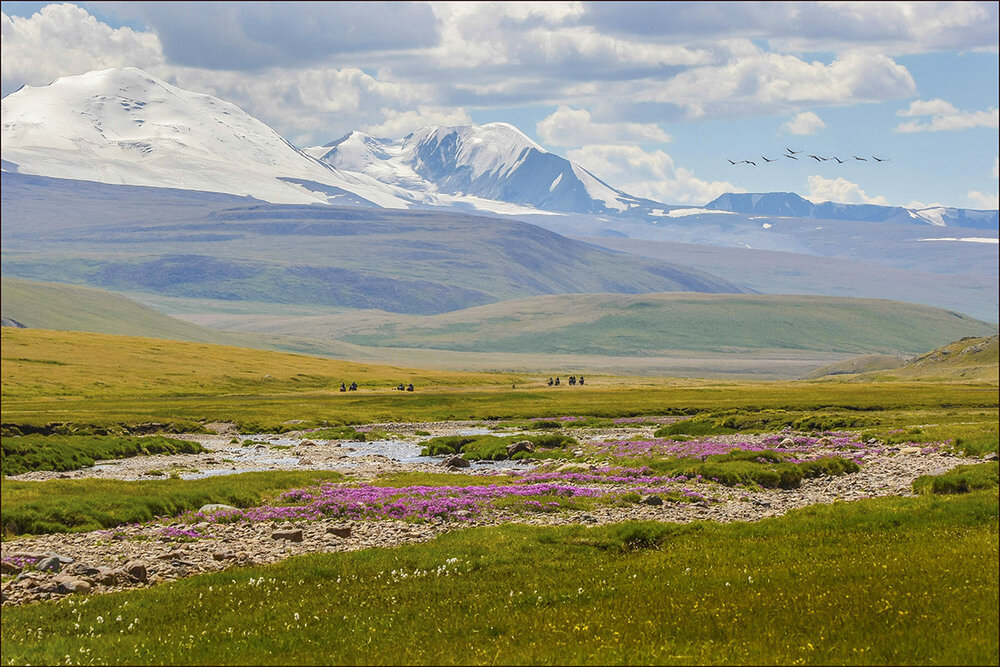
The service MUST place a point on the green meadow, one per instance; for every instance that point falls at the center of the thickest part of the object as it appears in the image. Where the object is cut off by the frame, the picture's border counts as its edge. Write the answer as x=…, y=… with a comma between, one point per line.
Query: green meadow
x=888, y=581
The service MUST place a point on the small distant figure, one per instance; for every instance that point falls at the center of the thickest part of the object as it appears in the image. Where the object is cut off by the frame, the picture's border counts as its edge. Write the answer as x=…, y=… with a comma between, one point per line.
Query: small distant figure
x=513, y=386
x=557, y=382
x=353, y=387
x=343, y=387
x=581, y=379
x=400, y=387
x=572, y=380
x=550, y=382
x=409, y=387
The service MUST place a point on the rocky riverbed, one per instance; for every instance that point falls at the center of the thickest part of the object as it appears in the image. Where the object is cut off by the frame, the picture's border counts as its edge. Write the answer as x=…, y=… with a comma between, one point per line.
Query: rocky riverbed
x=47, y=566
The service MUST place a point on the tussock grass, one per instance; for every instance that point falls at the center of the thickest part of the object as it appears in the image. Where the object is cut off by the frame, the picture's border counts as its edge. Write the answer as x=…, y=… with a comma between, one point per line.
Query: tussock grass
x=885, y=581
x=70, y=505
x=61, y=452
x=766, y=469
x=738, y=421
x=961, y=479
x=494, y=447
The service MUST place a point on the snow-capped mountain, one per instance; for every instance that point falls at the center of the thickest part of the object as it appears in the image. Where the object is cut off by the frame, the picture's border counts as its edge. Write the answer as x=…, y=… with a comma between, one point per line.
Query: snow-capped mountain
x=791, y=205
x=495, y=162
x=124, y=126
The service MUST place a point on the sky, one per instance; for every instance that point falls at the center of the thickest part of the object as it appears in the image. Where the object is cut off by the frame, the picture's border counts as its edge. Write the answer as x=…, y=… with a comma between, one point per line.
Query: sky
x=652, y=97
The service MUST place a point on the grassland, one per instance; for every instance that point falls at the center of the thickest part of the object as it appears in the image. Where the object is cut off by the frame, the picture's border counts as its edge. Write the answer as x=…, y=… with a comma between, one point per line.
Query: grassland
x=888, y=581
x=69, y=505
x=651, y=324
x=51, y=376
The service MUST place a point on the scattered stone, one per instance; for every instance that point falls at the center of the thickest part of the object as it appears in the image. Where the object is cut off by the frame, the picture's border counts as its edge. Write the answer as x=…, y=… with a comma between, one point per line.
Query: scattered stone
x=137, y=570
x=339, y=531
x=653, y=500
x=455, y=461
x=49, y=565
x=215, y=507
x=910, y=450
x=307, y=443
x=991, y=457
x=70, y=585
x=290, y=535
x=521, y=446
x=788, y=442
x=223, y=555
x=9, y=568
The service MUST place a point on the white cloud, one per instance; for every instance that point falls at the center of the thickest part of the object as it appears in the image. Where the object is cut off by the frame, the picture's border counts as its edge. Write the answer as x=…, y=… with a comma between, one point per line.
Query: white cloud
x=839, y=190
x=309, y=106
x=804, y=123
x=945, y=117
x=400, y=123
x=575, y=127
x=650, y=174
x=774, y=83
x=63, y=40
x=984, y=199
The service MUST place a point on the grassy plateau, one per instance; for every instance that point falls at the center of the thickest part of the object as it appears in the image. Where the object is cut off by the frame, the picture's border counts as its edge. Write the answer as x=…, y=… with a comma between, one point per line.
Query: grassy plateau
x=894, y=580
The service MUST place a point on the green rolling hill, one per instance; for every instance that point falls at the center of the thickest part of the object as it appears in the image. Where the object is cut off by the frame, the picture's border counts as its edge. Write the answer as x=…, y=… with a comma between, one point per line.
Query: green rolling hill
x=642, y=325
x=39, y=305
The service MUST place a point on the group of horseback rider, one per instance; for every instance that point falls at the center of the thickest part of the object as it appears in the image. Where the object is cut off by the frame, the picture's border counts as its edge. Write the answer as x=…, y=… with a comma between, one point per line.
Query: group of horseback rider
x=572, y=381
x=354, y=387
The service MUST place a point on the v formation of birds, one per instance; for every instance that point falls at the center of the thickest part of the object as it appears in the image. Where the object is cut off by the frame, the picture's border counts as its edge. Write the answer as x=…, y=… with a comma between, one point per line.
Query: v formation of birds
x=790, y=154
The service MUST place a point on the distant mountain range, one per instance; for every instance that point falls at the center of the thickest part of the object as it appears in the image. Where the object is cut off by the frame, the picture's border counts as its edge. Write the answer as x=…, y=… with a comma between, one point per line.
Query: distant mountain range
x=123, y=126
x=791, y=205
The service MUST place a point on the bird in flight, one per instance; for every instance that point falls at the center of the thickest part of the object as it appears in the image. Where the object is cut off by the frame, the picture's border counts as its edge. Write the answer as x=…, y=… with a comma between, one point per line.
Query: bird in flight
x=791, y=156
x=818, y=158
x=880, y=159
x=791, y=151
x=749, y=162
x=859, y=158
x=839, y=161
x=731, y=162
x=766, y=160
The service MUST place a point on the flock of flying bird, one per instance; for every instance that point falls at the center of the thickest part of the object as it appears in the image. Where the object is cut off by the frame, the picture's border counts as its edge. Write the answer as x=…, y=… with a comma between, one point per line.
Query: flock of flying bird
x=819, y=158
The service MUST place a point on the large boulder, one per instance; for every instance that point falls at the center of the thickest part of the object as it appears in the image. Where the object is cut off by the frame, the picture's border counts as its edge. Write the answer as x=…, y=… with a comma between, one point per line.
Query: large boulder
x=290, y=534
x=137, y=570
x=520, y=446
x=455, y=461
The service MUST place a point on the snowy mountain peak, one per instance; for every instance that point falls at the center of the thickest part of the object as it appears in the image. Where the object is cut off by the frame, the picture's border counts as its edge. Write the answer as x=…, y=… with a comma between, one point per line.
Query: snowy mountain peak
x=125, y=126
x=495, y=162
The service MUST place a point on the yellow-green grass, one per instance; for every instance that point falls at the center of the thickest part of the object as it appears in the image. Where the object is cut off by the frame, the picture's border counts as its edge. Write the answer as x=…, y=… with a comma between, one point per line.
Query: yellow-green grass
x=70, y=505
x=961, y=479
x=885, y=581
x=51, y=376
x=41, y=305
x=860, y=364
x=966, y=359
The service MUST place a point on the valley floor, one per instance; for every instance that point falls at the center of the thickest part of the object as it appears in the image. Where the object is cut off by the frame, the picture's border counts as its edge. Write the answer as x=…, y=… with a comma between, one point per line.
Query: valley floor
x=178, y=547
